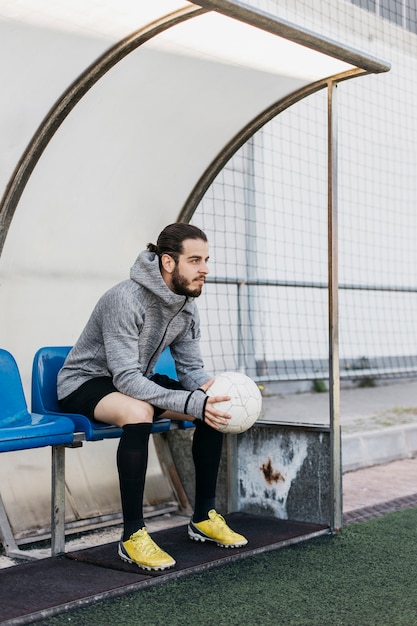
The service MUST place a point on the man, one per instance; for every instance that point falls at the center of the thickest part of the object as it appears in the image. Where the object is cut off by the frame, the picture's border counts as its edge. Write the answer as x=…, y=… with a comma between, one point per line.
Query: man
x=108, y=376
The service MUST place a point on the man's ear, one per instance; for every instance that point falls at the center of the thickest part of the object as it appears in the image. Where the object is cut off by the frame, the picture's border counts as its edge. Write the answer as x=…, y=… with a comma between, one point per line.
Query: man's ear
x=168, y=263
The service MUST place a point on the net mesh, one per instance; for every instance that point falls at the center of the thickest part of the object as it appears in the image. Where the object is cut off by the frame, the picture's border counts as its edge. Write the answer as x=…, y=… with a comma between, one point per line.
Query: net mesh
x=265, y=309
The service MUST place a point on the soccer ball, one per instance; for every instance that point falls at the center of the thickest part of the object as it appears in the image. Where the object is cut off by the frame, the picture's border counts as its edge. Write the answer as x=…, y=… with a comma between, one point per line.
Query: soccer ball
x=245, y=402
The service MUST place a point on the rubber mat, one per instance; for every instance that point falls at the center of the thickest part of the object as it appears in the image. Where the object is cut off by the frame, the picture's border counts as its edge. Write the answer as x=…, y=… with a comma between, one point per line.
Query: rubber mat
x=43, y=588
x=35, y=588
x=262, y=533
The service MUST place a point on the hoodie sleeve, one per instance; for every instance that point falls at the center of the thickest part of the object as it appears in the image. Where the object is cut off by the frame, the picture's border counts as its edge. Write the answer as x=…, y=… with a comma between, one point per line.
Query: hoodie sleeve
x=120, y=328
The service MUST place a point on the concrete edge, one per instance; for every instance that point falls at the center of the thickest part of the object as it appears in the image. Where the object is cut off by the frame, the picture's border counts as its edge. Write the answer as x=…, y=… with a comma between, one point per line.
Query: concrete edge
x=376, y=447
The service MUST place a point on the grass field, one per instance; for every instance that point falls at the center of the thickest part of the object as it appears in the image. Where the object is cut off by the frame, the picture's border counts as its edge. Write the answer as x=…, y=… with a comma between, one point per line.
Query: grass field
x=365, y=576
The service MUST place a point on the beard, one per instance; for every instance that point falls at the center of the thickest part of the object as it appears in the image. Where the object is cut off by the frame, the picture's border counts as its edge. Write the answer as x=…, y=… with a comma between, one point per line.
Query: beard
x=183, y=287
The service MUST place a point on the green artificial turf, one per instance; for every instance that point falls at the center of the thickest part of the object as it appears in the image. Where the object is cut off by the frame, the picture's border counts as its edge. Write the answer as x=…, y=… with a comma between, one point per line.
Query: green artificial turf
x=365, y=576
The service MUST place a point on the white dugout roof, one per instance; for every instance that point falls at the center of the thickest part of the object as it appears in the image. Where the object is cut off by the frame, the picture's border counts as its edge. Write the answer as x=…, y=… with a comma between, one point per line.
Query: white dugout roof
x=115, y=117
x=204, y=77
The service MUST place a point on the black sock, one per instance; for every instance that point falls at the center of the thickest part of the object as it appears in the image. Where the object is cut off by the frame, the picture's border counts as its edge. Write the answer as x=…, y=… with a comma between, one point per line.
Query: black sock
x=132, y=462
x=207, y=449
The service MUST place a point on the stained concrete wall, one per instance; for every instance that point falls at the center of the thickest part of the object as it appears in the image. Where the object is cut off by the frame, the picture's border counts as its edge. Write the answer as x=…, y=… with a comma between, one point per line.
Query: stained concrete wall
x=273, y=470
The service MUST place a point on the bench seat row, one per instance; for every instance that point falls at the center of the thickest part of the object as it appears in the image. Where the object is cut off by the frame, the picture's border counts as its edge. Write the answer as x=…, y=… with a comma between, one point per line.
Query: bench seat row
x=46, y=425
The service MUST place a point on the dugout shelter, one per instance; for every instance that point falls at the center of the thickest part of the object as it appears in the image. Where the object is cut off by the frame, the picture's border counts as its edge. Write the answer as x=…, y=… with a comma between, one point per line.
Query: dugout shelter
x=117, y=119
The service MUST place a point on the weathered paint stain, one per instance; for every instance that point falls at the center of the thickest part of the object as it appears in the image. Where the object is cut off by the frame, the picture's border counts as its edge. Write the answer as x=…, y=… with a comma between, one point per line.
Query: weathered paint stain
x=271, y=476
x=289, y=450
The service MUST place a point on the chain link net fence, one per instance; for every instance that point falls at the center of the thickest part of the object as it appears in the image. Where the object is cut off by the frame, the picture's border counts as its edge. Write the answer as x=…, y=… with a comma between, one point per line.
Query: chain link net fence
x=265, y=310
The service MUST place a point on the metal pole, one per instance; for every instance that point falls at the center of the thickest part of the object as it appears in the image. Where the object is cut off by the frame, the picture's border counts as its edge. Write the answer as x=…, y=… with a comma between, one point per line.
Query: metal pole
x=252, y=180
x=246, y=362
x=58, y=501
x=334, y=376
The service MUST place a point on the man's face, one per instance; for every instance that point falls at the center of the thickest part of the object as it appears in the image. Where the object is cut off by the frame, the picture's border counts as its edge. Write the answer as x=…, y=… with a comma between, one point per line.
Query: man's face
x=189, y=274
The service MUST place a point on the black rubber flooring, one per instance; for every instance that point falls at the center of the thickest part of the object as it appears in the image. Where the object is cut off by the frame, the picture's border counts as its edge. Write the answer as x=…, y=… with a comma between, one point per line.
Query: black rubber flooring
x=40, y=589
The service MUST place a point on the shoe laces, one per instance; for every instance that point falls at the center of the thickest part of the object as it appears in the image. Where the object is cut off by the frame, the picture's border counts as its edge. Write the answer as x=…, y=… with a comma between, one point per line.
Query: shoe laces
x=216, y=518
x=143, y=542
x=219, y=521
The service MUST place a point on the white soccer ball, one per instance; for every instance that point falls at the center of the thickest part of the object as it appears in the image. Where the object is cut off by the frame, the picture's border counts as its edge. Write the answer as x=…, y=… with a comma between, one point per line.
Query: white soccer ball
x=245, y=402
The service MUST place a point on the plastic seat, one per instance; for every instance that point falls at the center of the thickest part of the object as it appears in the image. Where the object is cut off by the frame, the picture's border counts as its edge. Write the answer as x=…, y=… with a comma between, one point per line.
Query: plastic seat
x=19, y=429
x=46, y=365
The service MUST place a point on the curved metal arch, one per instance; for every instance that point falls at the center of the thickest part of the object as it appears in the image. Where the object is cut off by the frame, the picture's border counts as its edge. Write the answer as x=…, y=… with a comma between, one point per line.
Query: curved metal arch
x=248, y=131
x=69, y=99
x=109, y=59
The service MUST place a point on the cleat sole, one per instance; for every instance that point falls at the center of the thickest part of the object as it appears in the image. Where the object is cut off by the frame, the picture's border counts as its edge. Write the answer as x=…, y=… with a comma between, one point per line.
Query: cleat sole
x=148, y=568
x=197, y=537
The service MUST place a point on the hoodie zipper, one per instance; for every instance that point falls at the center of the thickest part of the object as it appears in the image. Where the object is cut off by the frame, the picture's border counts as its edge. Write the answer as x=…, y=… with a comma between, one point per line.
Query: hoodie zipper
x=164, y=335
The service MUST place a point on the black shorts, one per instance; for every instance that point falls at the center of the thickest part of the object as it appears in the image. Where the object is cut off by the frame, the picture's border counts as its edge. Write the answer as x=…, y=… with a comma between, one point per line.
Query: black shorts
x=85, y=399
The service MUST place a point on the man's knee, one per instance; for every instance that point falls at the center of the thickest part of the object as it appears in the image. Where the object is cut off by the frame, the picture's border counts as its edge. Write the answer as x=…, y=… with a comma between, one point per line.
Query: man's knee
x=119, y=409
x=138, y=412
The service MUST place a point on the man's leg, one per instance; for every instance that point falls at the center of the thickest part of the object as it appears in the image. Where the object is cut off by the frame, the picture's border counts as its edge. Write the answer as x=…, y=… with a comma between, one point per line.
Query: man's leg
x=207, y=524
x=132, y=462
x=135, y=417
x=206, y=450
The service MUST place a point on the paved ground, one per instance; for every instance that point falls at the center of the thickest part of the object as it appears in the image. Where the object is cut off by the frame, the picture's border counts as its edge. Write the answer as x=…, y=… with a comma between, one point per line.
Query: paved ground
x=379, y=424
x=381, y=483
x=361, y=408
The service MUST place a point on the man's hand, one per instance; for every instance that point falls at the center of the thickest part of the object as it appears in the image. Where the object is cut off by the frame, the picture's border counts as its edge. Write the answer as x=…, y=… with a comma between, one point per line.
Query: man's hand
x=212, y=416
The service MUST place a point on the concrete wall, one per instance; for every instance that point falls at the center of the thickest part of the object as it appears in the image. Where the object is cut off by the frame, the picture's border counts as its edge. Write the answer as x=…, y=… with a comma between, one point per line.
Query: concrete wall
x=272, y=470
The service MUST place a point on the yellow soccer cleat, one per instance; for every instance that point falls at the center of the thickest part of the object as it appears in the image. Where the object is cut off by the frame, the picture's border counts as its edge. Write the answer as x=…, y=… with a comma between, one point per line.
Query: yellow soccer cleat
x=141, y=550
x=215, y=529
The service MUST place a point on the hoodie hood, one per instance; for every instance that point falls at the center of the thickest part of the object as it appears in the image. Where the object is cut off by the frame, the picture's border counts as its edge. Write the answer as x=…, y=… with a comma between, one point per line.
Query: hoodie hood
x=145, y=272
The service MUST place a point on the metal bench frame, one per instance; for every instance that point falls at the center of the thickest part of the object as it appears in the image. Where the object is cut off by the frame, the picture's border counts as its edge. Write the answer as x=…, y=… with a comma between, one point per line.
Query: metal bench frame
x=21, y=430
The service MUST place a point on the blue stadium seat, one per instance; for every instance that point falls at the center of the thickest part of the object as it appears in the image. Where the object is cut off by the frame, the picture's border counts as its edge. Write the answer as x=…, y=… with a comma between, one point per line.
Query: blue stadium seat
x=19, y=429
x=46, y=365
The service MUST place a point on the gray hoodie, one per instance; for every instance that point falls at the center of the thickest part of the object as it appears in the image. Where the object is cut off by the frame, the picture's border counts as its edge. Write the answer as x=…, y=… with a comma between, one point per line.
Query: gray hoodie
x=130, y=326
